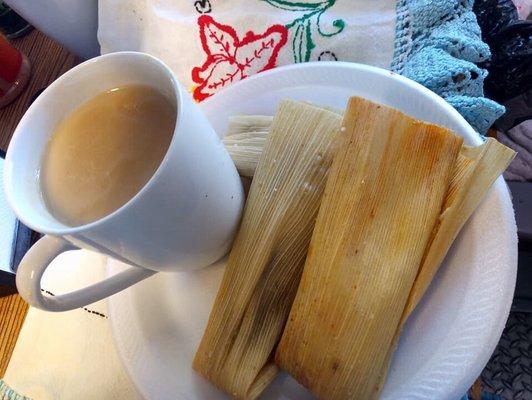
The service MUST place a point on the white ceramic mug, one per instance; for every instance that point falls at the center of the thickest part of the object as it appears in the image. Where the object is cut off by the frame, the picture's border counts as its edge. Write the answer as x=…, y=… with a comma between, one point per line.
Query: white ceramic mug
x=185, y=217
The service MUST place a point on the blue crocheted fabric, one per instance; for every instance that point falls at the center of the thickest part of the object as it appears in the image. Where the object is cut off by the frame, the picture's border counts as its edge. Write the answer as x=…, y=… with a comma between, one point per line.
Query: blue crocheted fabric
x=437, y=44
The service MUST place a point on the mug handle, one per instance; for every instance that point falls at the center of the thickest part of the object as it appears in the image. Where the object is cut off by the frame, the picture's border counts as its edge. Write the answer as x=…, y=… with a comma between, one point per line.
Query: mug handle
x=38, y=258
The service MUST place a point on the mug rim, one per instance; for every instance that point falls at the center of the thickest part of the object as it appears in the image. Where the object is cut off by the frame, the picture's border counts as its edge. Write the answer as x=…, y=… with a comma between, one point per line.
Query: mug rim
x=19, y=132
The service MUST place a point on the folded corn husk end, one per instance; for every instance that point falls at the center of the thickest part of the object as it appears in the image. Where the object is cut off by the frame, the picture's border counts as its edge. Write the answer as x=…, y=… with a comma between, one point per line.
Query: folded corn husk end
x=245, y=140
x=476, y=170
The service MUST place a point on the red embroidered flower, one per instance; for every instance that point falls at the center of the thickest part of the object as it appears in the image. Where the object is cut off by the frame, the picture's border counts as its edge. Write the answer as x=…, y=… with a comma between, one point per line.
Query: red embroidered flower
x=230, y=59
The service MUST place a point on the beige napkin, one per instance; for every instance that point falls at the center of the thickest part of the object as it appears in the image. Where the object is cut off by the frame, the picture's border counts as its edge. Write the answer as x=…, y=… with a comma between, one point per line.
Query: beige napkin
x=69, y=355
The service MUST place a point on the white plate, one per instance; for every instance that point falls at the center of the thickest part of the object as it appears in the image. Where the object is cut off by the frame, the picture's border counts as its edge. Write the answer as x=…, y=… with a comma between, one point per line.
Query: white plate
x=158, y=323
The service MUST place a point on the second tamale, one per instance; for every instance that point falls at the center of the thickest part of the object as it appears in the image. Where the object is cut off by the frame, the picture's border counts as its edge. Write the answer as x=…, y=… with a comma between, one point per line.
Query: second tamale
x=383, y=196
x=267, y=257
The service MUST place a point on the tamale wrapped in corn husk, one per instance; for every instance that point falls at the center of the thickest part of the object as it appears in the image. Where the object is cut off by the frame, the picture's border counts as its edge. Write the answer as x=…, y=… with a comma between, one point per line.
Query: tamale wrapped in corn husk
x=265, y=263
x=256, y=125
x=383, y=197
x=245, y=139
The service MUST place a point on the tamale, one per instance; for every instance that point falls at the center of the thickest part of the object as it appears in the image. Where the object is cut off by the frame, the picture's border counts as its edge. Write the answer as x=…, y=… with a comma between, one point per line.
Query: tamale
x=245, y=139
x=383, y=197
x=267, y=257
x=249, y=125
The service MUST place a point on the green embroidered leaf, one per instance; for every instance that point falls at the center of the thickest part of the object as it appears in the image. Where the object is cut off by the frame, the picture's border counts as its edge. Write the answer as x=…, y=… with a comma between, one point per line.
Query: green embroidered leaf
x=300, y=5
x=302, y=43
x=309, y=44
x=297, y=43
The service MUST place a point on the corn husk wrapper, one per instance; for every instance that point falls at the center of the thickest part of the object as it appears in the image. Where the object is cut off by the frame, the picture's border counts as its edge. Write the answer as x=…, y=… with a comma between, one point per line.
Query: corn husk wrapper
x=246, y=136
x=383, y=197
x=245, y=139
x=265, y=263
x=475, y=171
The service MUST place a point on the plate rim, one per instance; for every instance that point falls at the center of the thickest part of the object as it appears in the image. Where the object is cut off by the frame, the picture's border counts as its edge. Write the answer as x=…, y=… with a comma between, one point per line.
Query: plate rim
x=340, y=65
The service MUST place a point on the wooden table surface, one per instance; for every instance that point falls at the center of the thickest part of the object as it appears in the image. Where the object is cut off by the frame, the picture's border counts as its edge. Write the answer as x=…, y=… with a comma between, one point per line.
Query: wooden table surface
x=48, y=61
